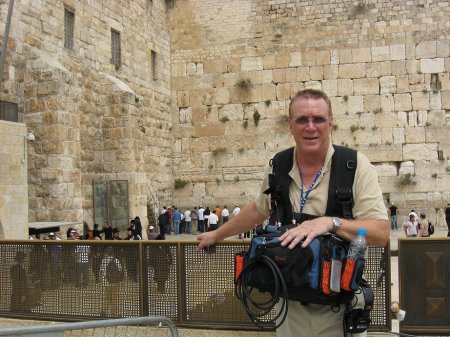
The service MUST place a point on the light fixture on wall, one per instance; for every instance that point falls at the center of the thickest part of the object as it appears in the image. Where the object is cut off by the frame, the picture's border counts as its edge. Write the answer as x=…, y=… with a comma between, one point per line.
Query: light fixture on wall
x=29, y=138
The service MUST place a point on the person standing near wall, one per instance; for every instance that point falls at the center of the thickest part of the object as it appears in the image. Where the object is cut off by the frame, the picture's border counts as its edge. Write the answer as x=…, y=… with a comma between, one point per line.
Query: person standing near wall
x=311, y=125
x=447, y=218
x=393, y=216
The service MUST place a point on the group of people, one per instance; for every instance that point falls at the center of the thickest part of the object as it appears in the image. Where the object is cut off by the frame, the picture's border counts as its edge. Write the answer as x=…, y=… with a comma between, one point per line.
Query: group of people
x=171, y=220
x=415, y=225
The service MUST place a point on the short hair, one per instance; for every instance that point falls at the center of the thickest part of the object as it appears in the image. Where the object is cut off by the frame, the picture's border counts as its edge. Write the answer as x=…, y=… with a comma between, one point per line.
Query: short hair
x=313, y=94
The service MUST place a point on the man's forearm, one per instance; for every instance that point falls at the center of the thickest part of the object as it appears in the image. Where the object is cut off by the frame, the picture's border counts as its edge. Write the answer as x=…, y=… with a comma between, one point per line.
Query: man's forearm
x=244, y=221
x=377, y=230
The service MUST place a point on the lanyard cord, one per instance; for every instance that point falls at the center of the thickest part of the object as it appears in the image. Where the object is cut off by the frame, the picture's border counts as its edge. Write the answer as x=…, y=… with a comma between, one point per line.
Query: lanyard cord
x=304, y=198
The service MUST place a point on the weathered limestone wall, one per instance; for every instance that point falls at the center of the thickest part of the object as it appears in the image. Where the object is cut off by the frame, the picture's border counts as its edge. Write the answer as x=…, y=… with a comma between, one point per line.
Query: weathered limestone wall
x=13, y=181
x=92, y=121
x=385, y=65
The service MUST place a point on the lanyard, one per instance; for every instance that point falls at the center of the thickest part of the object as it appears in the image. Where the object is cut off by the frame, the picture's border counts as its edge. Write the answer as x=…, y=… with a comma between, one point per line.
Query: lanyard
x=304, y=198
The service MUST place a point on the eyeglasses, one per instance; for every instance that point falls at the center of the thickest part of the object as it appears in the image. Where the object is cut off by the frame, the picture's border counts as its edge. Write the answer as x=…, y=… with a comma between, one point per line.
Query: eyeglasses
x=316, y=120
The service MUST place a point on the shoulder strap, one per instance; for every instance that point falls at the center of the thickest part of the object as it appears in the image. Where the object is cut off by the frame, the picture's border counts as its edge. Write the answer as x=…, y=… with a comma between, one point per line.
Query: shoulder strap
x=279, y=181
x=340, y=196
x=343, y=168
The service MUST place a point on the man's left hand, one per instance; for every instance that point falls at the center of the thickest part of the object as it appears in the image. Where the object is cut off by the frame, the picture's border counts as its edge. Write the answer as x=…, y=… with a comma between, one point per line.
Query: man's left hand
x=306, y=232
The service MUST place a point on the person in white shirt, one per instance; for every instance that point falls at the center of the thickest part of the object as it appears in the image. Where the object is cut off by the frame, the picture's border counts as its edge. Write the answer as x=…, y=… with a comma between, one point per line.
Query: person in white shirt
x=236, y=210
x=213, y=221
x=201, y=220
x=188, y=220
x=225, y=214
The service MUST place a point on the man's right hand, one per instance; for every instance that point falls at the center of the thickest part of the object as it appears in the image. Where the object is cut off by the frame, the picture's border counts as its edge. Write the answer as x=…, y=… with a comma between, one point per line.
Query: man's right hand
x=206, y=239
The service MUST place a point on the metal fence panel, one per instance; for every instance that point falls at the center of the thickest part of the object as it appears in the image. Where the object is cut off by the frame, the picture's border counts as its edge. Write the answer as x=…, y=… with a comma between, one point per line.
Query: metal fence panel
x=161, y=278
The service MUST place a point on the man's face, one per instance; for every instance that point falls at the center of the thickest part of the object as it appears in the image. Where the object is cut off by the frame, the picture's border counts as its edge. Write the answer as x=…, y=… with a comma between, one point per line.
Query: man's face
x=310, y=124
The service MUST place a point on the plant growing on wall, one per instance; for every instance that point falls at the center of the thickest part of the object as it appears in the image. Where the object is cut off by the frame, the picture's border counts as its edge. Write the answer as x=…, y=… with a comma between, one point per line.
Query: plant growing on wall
x=244, y=84
x=245, y=123
x=220, y=150
x=267, y=102
x=406, y=180
x=256, y=117
x=180, y=183
x=224, y=119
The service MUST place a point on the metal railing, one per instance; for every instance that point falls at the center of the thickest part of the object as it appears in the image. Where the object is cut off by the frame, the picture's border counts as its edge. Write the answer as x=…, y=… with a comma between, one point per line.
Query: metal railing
x=138, y=326
x=65, y=280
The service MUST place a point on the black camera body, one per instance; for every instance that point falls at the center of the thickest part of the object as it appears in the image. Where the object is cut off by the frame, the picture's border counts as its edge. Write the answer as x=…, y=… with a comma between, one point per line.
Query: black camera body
x=358, y=320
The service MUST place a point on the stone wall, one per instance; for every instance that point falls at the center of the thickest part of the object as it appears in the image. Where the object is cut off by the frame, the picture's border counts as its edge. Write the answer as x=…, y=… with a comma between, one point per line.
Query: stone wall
x=13, y=181
x=92, y=120
x=216, y=112
x=385, y=65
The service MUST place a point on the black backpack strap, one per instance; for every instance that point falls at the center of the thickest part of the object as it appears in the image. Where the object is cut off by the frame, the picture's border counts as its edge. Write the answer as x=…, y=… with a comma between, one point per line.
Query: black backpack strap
x=279, y=181
x=340, y=195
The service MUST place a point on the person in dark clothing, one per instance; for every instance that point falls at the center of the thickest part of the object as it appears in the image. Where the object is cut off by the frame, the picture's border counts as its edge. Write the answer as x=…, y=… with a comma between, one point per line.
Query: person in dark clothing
x=108, y=231
x=393, y=216
x=138, y=226
x=447, y=218
x=160, y=260
x=97, y=231
x=20, y=294
x=163, y=222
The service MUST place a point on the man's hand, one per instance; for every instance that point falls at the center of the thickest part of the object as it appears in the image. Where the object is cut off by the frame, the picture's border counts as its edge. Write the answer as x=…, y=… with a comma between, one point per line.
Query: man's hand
x=306, y=232
x=206, y=239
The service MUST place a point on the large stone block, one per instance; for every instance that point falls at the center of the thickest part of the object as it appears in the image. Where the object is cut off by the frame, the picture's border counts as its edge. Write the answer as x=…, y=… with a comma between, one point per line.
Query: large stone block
x=251, y=63
x=295, y=59
x=420, y=151
x=361, y=55
x=415, y=135
x=420, y=100
x=398, y=52
x=366, y=86
x=356, y=70
x=330, y=87
x=330, y=72
x=432, y=66
x=445, y=96
x=344, y=87
x=402, y=102
x=381, y=53
x=426, y=49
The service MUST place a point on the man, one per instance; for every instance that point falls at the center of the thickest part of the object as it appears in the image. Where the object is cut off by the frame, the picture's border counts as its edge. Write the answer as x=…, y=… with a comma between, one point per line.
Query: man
x=393, y=216
x=188, y=220
x=107, y=231
x=163, y=223
x=194, y=218
x=218, y=213
x=116, y=234
x=311, y=124
x=201, y=219
x=411, y=226
x=225, y=214
x=213, y=221
x=176, y=217
x=151, y=234
x=111, y=271
x=447, y=218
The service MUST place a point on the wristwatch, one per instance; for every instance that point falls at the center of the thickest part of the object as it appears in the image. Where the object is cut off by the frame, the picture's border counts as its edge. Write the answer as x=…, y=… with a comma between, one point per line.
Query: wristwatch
x=337, y=223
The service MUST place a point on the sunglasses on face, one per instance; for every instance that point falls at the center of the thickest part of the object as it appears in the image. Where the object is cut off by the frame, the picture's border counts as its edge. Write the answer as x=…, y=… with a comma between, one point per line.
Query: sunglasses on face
x=317, y=120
